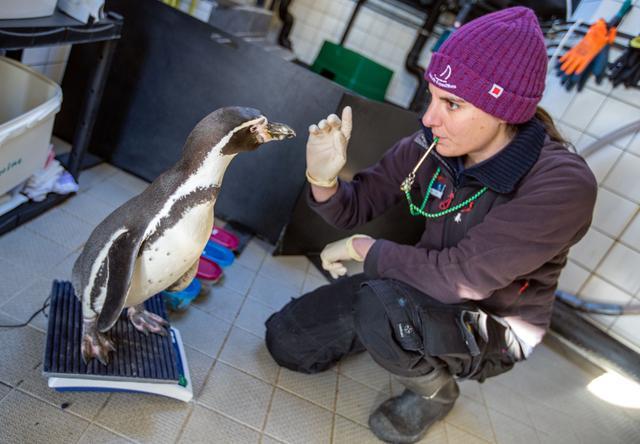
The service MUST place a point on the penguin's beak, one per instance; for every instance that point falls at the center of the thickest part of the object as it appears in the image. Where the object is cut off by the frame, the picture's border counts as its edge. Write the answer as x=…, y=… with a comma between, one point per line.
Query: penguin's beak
x=280, y=131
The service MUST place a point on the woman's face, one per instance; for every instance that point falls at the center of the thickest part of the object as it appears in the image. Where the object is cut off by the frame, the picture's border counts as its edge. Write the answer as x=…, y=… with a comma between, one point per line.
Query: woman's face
x=462, y=128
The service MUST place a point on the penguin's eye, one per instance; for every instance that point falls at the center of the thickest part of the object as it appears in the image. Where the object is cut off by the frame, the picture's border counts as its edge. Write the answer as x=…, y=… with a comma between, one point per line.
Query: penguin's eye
x=254, y=129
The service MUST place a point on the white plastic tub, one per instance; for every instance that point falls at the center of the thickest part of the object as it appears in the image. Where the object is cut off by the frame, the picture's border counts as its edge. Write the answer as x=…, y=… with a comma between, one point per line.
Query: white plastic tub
x=28, y=104
x=23, y=9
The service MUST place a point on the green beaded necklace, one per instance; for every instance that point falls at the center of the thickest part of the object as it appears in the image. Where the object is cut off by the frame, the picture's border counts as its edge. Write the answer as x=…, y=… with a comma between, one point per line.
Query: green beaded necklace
x=419, y=211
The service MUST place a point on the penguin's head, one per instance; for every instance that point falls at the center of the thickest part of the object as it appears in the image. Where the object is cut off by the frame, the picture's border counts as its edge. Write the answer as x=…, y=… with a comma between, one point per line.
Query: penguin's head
x=238, y=129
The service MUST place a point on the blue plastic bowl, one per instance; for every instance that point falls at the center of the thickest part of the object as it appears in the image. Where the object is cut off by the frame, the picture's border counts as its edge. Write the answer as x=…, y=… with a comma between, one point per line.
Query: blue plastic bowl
x=218, y=254
x=180, y=300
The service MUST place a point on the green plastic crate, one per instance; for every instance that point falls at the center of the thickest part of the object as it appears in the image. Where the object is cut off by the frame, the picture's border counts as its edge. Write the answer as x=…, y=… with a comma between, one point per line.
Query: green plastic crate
x=353, y=71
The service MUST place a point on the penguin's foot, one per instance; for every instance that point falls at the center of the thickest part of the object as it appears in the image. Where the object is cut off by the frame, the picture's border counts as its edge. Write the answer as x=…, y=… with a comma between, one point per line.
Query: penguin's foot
x=146, y=322
x=96, y=345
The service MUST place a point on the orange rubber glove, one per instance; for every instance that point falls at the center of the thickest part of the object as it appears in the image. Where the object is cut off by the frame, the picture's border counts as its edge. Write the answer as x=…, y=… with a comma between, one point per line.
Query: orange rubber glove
x=578, y=58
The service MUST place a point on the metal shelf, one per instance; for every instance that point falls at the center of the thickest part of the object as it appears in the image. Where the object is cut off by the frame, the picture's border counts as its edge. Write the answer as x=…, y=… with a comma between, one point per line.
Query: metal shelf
x=60, y=29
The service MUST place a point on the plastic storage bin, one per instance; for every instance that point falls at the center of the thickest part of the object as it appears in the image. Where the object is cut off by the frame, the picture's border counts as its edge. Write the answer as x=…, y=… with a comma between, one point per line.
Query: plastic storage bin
x=22, y=9
x=28, y=104
x=353, y=71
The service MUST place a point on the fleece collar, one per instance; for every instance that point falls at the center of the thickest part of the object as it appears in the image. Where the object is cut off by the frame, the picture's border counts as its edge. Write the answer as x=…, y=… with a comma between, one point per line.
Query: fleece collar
x=501, y=172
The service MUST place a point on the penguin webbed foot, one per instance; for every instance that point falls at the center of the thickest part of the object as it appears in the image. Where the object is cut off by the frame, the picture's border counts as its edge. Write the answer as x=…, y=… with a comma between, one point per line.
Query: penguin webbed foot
x=146, y=322
x=96, y=345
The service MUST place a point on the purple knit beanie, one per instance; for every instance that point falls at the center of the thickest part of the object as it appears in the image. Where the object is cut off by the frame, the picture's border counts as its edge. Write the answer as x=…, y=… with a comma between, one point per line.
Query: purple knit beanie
x=497, y=62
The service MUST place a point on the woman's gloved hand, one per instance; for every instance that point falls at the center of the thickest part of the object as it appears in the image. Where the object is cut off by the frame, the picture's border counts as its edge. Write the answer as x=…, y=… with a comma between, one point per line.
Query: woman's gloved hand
x=327, y=148
x=342, y=250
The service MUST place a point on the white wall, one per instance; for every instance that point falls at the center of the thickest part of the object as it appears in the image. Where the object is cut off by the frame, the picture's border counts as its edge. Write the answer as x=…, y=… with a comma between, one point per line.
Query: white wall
x=373, y=35
x=605, y=265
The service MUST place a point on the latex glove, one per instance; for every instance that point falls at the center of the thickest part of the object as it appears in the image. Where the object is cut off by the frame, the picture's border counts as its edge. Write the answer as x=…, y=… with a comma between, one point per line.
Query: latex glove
x=327, y=148
x=336, y=252
x=578, y=58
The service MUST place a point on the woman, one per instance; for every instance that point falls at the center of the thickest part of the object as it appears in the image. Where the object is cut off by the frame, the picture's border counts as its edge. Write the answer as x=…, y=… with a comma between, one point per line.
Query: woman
x=503, y=201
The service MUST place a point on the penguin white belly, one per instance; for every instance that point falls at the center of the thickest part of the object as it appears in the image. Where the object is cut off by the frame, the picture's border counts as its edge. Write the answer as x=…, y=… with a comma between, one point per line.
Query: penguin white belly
x=171, y=255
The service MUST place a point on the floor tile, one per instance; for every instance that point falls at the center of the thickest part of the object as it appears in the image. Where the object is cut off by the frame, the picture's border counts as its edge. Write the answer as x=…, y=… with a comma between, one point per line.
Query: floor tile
x=211, y=427
x=87, y=208
x=510, y=431
x=505, y=401
x=238, y=277
x=471, y=389
x=20, y=352
x=27, y=249
x=294, y=420
x=593, y=417
x=146, y=418
x=290, y=270
x=200, y=330
x=84, y=404
x=129, y=181
x=347, y=432
x=111, y=193
x=437, y=434
x=313, y=271
x=456, y=435
x=247, y=352
x=199, y=367
x=14, y=278
x=97, y=174
x=253, y=254
x=364, y=369
x=357, y=401
x=237, y=395
x=266, y=439
x=319, y=388
x=472, y=417
x=253, y=316
x=28, y=301
x=61, y=228
x=24, y=419
x=98, y=435
x=4, y=390
x=312, y=282
x=221, y=302
x=272, y=292
x=552, y=421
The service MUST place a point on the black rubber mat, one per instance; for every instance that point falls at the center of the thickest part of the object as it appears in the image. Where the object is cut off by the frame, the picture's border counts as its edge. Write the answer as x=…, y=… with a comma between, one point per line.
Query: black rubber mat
x=138, y=357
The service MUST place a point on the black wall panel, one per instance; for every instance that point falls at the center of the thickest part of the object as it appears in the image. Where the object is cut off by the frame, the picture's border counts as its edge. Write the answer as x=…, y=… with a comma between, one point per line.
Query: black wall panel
x=169, y=71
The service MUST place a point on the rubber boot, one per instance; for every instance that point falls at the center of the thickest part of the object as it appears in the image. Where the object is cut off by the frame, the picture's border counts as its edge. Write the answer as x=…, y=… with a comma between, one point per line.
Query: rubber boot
x=425, y=400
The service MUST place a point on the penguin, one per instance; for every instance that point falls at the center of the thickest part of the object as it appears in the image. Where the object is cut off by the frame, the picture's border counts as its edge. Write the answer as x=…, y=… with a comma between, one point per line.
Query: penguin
x=153, y=241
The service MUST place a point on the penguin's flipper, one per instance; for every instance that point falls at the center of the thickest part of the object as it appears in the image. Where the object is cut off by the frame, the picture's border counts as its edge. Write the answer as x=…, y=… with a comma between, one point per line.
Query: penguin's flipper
x=120, y=262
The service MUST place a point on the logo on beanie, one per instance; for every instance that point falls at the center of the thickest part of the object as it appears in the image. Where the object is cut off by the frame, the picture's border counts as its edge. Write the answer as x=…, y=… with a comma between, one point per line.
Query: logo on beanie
x=496, y=90
x=442, y=79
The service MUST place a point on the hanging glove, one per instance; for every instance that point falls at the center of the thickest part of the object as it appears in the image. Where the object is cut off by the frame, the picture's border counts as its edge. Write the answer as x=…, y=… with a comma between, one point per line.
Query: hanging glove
x=342, y=250
x=596, y=67
x=578, y=58
x=626, y=69
x=327, y=148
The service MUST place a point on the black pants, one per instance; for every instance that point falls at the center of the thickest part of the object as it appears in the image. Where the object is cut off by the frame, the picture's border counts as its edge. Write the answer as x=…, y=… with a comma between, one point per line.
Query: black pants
x=405, y=331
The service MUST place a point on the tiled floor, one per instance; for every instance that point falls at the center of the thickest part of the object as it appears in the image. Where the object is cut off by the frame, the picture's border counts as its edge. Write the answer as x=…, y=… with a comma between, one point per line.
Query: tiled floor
x=241, y=395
